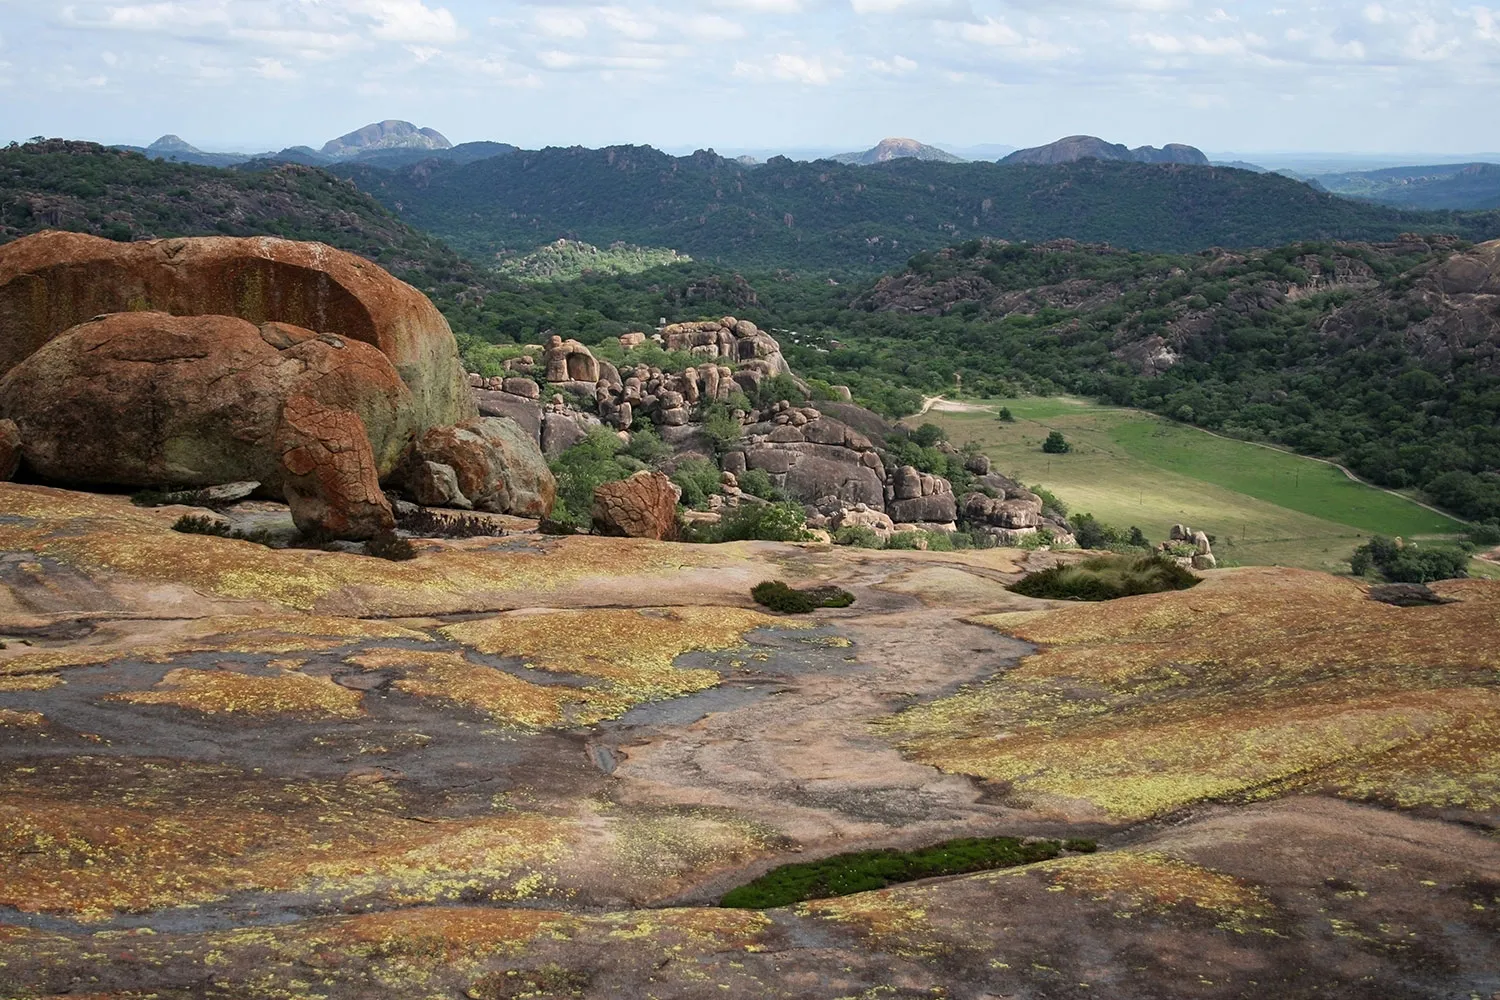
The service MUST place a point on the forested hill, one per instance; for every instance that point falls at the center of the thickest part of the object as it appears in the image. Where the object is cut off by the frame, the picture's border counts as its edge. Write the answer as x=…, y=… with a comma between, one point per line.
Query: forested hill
x=829, y=216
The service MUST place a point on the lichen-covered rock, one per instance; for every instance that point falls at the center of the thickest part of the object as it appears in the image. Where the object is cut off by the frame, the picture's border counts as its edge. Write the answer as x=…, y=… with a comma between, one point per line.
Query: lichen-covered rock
x=939, y=508
x=433, y=484
x=147, y=399
x=10, y=450
x=643, y=506
x=53, y=281
x=328, y=472
x=499, y=467
x=862, y=516
x=570, y=361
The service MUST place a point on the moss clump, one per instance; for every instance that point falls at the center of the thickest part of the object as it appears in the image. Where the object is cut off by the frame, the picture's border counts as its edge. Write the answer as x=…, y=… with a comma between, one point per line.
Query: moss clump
x=778, y=596
x=199, y=524
x=866, y=871
x=1106, y=578
x=392, y=547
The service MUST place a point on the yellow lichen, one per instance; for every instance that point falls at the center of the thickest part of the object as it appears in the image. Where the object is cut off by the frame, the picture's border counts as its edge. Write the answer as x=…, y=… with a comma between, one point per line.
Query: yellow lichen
x=229, y=692
x=450, y=677
x=632, y=650
x=1254, y=683
x=29, y=682
x=22, y=720
x=1153, y=880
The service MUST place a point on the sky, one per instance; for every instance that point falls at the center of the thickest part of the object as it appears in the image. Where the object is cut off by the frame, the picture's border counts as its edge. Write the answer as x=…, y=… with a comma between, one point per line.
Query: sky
x=255, y=75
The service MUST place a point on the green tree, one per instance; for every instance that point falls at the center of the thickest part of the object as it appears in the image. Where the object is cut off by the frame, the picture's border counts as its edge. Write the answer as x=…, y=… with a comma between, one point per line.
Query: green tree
x=1056, y=444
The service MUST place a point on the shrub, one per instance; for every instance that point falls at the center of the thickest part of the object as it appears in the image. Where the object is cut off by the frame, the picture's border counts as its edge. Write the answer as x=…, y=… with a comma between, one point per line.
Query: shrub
x=426, y=524
x=722, y=428
x=698, y=480
x=1485, y=534
x=1005, y=415
x=199, y=524
x=1056, y=444
x=770, y=522
x=779, y=596
x=757, y=483
x=583, y=468
x=1408, y=563
x=390, y=546
x=778, y=389
x=1105, y=578
x=858, y=536
x=864, y=871
x=647, y=447
x=928, y=436
x=907, y=540
x=1052, y=506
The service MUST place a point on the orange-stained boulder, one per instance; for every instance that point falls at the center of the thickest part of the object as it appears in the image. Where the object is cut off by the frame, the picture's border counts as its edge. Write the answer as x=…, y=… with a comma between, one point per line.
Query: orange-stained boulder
x=643, y=506
x=53, y=281
x=497, y=467
x=328, y=472
x=147, y=399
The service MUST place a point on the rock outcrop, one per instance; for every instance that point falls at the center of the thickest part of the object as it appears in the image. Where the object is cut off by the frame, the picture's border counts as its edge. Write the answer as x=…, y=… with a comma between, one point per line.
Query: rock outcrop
x=328, y=472
x=919, y=498
x=754, y=354
x=145, y=399
x=1183, y=538
x=643, y=506
x=10, y=450
x=490, y=464
x=54, y=281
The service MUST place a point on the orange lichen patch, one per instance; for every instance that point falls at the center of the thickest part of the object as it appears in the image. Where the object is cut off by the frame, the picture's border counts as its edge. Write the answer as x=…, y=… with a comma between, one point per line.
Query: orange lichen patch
x=321, y=626
x=29, y=682
x=1257, y=682
x=92, y=837
x=450, y=677
x=22, y=720
x=102, y=533
x=1153, y=880
x=229, y=692
x=631, y=650
x=54, y=660
x=893, y=920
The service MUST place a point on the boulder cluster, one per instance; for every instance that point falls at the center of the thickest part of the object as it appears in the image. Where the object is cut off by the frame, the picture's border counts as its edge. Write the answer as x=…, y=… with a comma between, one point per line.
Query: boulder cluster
x=1183, y=538
x=198, y=362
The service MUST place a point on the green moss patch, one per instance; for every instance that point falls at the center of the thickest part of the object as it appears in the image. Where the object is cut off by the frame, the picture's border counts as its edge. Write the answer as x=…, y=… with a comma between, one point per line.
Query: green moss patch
x=865, y=871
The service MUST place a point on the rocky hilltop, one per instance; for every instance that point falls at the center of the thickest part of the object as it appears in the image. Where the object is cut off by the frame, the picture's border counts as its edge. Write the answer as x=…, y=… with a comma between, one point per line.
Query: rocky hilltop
x=898, y=149
x=500, y=764
x=1087, y=147
x=385, y=135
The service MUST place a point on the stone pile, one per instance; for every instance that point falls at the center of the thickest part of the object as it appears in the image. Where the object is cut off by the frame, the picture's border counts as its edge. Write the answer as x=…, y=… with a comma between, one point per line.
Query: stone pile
x=666, y=399
x=1182, y=537
x=754, y=354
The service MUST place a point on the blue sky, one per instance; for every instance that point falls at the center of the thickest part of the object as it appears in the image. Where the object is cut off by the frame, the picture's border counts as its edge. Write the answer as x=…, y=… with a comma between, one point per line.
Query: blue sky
x=262, y=74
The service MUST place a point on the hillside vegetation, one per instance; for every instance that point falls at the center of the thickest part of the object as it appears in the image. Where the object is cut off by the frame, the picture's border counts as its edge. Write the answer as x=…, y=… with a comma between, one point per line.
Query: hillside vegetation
x=832, y=217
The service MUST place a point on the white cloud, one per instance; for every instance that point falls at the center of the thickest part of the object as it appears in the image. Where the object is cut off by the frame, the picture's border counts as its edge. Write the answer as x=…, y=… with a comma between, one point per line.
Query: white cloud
x=560, y=24
x=895, y=66
x=712, y=28
x=410, y=21
x=273, y=69
x=790, y=68
x=762, y=6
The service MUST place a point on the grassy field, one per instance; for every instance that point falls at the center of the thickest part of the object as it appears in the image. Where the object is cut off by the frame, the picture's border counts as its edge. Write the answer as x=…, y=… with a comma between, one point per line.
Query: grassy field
x=1132, y=468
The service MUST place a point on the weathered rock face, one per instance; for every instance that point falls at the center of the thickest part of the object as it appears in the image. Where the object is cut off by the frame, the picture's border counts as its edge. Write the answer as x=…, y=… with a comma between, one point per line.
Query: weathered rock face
x=53, y=281
x=328, y=472
x=643, y=506
x=736, y=342
x=496, y=466
x=146, y=399
x=10, y=450
x=914, y=497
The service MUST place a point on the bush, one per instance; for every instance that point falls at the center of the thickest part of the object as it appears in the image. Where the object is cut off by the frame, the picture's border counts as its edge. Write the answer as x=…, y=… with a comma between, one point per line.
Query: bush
x=769, y=522
x=722, y=428
x=1485, y=534
x=1105, y=578
x=698, y=480
x=1052, y=506
x=778, y=389
x=778, y=596
x=865, y=871
x=858, y=536
x=757, y=483
x=1402, y=562
x=1005, y=415
x=390, y=546
x=1056, y=444
x=928, y=436
x=424, y=523
x=647, y=447
x=198, y=524
x=583, y=468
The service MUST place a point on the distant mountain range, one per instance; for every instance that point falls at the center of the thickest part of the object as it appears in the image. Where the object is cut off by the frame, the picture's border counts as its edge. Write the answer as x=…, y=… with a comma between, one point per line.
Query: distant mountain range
x=897, y=149
x=1088, y=147
x=1448, y=185
x=387, y=144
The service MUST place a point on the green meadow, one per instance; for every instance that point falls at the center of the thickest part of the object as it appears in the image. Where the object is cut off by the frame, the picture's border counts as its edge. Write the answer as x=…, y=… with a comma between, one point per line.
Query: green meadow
x=1265, y=507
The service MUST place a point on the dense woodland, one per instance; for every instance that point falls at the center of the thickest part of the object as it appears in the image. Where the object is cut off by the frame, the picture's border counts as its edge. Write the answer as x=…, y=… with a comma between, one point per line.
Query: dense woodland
x=1249, y=359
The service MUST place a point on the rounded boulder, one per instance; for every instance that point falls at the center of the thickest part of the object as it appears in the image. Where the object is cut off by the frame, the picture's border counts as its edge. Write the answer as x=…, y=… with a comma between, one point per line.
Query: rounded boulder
x=148, y=399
